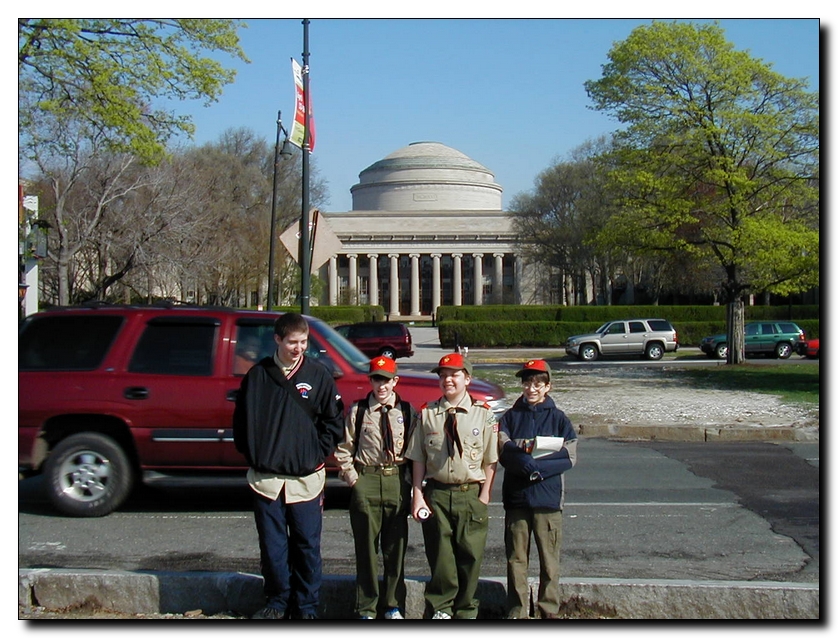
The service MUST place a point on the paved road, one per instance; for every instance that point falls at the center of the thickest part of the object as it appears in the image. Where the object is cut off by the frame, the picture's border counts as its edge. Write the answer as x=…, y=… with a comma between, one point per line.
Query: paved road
x=428, y=351
x=710, y=511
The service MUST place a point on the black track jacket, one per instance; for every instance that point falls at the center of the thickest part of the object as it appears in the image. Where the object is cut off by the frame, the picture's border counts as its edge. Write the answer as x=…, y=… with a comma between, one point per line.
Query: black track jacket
x=274, y=432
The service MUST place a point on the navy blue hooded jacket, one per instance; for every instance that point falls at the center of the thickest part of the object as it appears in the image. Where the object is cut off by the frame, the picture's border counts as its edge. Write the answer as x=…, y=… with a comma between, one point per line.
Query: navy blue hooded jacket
x=518, y=427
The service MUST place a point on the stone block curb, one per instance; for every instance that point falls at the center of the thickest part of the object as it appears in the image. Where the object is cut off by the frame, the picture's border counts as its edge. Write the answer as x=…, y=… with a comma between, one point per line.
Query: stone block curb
x=697, y=434
x=219, y=592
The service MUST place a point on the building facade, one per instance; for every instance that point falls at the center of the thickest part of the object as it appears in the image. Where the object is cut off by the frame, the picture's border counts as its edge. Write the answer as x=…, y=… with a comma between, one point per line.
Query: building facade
x=426, y=229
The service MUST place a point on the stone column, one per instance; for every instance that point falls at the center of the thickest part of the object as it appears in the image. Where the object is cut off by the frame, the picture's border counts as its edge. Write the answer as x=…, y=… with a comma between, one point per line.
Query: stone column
x=414, y=285
x=373, y=279
x=497, y=284
x=394, y=284
x=436, y=287
x=458, y=279
x=478, y=279
x=353, y=279
x=333, y=280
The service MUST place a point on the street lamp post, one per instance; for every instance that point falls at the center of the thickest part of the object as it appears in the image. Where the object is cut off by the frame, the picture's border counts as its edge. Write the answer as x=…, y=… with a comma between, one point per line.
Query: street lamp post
x=284, y=152
x=305, y=250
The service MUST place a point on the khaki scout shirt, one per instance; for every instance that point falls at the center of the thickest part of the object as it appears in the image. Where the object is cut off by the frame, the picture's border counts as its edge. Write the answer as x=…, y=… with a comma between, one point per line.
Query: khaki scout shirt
x=369, y=441
x=478, y=432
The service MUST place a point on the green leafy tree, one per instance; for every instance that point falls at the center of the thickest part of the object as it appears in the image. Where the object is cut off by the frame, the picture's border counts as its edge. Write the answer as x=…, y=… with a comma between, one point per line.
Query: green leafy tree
x=719, y=156
x=111, y=74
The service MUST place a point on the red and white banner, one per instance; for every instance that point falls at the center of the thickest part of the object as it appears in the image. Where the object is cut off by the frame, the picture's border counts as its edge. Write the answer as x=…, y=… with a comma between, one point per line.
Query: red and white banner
x=298, y=128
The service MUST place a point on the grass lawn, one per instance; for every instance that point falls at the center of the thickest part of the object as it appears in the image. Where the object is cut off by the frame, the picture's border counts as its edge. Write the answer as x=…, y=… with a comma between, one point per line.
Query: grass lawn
x=796, y=383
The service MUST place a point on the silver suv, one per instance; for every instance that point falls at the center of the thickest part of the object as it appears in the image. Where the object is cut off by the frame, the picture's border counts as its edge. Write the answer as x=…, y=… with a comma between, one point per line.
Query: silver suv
x=648, y=337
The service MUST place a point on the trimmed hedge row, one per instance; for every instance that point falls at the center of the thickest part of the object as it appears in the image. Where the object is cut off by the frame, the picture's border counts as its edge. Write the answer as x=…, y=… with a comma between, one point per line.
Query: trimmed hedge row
x=601, y=314
x=554, y=334
x=341, y=314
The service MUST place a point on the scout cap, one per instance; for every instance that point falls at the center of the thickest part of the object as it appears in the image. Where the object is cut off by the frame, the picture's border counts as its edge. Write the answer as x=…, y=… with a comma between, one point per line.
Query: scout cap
x=532, y=366
x=383, y=367
x=455, y=361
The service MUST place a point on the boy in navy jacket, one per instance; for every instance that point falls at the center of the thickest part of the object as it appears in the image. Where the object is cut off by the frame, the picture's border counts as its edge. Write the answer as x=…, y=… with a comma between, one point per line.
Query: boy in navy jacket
x=533, y=489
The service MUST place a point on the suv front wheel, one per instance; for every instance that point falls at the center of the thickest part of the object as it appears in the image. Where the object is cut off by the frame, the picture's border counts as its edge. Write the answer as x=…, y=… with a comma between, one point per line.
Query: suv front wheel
x=588, y=352
x=88, y=474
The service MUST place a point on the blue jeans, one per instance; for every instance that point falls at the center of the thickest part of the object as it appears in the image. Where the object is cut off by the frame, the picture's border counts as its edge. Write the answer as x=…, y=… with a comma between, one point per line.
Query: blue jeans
x=289, y=547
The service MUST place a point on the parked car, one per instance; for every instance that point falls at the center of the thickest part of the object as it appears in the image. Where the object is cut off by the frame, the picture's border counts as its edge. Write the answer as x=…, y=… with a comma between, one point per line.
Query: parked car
x=651, y=338
x=380, y=338
x=773, y=338
x=810, y=349
x=109, y=394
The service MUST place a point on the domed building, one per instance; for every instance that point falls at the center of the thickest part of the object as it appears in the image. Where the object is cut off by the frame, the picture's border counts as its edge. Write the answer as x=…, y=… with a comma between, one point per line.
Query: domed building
x=426, y=229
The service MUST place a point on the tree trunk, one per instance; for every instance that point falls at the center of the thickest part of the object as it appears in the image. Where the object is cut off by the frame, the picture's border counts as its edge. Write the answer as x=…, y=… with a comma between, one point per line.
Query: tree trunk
x=735, y=332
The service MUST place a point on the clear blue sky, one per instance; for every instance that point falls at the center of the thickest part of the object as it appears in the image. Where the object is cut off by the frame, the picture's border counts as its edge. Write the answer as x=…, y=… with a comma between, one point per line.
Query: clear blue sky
x=506, y=92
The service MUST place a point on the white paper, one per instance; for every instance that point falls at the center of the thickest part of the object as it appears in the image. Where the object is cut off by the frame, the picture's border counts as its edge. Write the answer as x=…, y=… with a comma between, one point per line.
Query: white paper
x=545, y=445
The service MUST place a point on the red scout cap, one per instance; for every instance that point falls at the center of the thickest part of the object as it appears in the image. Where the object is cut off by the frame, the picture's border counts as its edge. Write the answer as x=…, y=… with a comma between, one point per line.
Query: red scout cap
x=455, y=361
x=383, y=367
x=532, y=366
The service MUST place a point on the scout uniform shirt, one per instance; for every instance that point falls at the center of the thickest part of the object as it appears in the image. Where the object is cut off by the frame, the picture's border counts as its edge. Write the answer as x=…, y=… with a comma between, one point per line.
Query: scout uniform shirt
x=478, y=433
x=367, y=446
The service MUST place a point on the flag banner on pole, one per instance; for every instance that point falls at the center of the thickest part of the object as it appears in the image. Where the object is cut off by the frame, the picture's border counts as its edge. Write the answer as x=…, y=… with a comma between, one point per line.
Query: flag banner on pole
x=298, y=128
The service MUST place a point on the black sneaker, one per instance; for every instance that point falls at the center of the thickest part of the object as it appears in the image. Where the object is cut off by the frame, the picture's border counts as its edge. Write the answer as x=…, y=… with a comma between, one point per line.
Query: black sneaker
x=268, y=613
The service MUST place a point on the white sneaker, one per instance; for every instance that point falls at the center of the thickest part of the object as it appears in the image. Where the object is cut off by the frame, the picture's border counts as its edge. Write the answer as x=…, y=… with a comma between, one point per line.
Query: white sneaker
x=441, y=615
x=393, y=614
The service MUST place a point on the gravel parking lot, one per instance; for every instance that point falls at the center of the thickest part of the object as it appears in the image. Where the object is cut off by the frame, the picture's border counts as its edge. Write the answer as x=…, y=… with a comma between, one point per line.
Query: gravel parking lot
x=649, y=397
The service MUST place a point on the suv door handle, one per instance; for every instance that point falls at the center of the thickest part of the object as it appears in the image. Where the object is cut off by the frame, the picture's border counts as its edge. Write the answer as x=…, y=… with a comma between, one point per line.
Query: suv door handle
x=135, y=393
x=232, y=394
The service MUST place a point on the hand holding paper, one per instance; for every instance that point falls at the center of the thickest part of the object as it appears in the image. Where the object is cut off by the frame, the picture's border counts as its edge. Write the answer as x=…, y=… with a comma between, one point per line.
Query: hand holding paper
x=545, y=445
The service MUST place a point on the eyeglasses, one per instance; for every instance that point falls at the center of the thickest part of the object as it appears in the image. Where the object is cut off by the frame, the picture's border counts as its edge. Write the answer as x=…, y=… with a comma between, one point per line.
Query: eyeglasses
x=533, y=385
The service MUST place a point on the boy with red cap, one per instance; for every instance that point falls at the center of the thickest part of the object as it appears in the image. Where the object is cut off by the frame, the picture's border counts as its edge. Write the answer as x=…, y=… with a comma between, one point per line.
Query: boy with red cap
x=533, y=489
x=372, y=463
x=454, y=447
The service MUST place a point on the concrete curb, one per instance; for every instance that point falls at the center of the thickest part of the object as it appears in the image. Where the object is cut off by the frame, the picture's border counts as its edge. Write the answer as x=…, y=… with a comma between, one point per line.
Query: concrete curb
x=215, y=593
x=698, y=433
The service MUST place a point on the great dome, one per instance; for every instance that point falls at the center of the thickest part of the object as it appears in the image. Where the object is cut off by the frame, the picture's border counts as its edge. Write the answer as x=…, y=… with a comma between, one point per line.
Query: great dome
x=426, y=176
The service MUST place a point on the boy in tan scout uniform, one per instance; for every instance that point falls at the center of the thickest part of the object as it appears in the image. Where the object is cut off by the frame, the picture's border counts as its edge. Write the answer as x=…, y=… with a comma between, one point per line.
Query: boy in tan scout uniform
x=455, y=448
x=372, y=463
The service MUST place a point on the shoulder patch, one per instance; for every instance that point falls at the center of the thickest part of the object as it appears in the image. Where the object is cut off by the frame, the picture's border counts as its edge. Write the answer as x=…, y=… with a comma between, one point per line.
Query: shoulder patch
x=482, y=404
x=423, y=406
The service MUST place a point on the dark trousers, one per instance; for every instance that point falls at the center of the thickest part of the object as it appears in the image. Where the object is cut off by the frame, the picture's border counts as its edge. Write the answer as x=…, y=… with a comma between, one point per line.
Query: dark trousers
x=289, y=547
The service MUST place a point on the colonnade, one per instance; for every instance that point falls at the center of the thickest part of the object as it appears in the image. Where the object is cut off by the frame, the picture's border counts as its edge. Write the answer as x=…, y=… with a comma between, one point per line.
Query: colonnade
x=365, y=281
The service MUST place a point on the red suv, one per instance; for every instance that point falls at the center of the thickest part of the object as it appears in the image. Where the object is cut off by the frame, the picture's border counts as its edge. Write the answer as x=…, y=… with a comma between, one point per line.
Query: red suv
x=108, y=393
x=380, y=338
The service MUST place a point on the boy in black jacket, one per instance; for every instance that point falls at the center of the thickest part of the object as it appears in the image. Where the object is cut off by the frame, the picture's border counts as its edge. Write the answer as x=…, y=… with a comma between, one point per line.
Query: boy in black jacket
x=287, y=421
x=533, y=489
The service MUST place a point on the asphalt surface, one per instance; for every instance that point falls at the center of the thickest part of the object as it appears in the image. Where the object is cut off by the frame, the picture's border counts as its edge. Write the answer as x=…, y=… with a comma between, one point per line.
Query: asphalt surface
x=753, y=528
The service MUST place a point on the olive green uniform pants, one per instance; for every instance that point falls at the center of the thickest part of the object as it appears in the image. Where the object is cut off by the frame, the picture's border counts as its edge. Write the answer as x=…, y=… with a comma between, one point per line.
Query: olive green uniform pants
x=455, y=538
x=378, y=513
x=522, y=525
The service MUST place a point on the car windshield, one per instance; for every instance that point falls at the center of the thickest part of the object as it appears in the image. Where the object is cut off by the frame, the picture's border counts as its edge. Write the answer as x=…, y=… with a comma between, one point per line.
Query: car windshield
x=347, y=350
x=603, y=328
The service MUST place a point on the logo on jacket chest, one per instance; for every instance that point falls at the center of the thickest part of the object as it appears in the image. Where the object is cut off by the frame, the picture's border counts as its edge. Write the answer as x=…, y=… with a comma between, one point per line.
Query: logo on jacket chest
x=304, y=389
